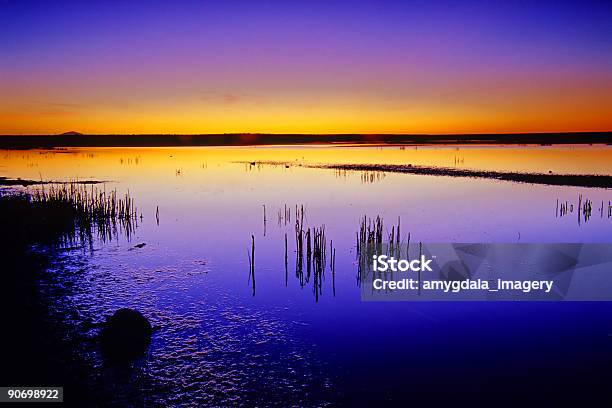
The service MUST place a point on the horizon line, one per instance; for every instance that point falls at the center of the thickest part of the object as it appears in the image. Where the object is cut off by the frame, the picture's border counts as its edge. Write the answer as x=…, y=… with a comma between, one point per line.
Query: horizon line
x=75, y=133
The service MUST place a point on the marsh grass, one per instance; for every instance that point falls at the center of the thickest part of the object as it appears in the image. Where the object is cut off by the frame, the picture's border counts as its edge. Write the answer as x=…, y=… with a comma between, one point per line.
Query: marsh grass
x=251, y=255
x=584, y=209
x=67, y=214
x=370, y=239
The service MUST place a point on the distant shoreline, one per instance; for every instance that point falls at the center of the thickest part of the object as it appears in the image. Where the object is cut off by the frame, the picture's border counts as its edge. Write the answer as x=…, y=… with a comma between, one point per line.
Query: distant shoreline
x=551, y=179
x=257, y=139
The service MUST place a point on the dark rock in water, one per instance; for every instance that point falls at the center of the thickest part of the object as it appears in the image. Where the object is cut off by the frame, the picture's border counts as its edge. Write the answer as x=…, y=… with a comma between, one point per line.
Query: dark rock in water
x=125, y=335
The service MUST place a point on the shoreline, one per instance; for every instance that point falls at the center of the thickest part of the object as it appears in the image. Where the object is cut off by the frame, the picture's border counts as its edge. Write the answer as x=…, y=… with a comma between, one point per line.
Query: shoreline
x=25, y=142
x=43, y=345
x=5, y=181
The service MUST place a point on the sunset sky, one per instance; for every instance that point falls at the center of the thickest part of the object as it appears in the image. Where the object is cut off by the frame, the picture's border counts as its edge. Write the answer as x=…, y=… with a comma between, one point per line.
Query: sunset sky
x=305, y=67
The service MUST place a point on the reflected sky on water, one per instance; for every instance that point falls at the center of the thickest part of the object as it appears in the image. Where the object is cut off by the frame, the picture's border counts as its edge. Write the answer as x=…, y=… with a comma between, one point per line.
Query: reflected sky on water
x=217, y=343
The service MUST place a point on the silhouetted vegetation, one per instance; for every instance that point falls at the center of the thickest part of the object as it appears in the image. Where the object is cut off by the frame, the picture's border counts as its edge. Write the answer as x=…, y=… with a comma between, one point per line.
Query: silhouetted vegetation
x=370, y=240
x=584, y=209
x=66, y=215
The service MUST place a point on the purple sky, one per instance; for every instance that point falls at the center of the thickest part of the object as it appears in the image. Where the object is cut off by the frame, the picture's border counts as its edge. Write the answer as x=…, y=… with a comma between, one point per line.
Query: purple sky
x=369, y=67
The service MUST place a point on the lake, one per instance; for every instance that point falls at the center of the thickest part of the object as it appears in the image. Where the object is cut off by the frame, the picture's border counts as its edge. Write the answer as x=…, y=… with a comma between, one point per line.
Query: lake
x=286, y=340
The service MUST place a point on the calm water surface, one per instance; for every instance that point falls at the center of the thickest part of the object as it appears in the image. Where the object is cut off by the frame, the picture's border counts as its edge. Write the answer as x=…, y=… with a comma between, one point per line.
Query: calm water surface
x=219, y=343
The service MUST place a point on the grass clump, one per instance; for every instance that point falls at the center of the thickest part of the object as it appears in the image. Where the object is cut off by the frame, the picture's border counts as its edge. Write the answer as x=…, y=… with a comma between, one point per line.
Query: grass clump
x=65, y=214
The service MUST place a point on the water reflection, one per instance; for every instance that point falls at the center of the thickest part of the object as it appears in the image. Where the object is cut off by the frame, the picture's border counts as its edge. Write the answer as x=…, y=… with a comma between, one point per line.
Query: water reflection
x=366, y=177
x=305, y=338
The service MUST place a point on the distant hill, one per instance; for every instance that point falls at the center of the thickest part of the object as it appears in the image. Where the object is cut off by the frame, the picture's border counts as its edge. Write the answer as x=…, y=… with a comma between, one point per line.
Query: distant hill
x=71, y=133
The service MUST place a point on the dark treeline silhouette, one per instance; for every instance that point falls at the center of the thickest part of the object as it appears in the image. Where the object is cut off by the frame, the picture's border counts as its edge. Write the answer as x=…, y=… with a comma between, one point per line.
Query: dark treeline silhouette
x=73, y=139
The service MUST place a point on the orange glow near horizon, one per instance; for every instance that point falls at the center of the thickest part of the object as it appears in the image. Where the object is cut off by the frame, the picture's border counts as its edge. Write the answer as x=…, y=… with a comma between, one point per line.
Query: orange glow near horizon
x=547, y=107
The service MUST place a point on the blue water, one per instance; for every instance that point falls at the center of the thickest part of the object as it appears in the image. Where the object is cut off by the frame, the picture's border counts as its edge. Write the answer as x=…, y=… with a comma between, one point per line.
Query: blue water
x=219, y=342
